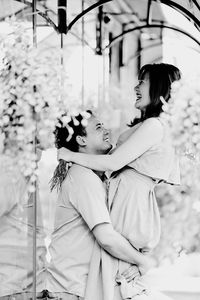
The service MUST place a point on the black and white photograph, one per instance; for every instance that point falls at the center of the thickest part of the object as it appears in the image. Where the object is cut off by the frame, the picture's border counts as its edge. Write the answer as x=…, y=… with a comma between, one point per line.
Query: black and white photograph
x=100, y=149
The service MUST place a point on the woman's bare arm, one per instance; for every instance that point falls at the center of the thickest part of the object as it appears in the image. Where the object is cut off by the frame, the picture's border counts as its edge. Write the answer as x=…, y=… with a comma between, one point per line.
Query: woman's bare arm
x=147, y=135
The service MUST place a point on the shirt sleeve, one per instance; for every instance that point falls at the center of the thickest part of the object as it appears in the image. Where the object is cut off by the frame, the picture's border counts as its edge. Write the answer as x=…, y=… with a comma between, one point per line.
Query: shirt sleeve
x=87, y=194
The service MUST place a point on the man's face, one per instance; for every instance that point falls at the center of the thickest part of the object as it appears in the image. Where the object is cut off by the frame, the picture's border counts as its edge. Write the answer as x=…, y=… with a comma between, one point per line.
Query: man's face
x=97, y=140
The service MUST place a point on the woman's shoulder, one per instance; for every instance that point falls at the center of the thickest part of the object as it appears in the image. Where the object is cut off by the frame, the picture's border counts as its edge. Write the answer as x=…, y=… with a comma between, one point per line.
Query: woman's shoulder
x=154, y=125
x=152, y=130
x=153, y=121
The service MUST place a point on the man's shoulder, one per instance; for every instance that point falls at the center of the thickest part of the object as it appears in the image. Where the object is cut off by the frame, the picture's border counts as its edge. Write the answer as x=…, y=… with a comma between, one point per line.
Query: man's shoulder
x=78, y=169
x=81, y=177
x=81, y=173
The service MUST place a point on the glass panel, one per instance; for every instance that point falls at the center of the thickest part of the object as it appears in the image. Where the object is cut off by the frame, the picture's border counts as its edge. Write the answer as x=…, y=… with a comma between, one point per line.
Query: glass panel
x=16, y=230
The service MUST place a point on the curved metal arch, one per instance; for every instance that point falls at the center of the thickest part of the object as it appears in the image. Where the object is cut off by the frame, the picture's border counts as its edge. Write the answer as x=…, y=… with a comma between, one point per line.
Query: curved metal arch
x=182, y=9
x=117, y=38
x=93, y=6
x=138, y=53
x=84, y=12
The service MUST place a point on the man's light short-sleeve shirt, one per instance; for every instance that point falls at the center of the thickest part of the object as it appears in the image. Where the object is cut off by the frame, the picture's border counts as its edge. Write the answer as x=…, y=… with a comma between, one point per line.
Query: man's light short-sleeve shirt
x=81, y=206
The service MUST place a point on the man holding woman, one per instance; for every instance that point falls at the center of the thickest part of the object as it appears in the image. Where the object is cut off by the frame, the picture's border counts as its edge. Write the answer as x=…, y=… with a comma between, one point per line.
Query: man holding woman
x=81, y=216
x=144, y=157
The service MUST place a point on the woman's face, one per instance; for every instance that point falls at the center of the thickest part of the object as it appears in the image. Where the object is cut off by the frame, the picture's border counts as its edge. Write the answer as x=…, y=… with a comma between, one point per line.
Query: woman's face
x=142, y=94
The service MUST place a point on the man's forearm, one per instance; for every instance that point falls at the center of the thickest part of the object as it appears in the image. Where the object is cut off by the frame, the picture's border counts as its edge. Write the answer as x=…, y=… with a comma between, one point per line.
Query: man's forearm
x=116, y=245
x=120, y=248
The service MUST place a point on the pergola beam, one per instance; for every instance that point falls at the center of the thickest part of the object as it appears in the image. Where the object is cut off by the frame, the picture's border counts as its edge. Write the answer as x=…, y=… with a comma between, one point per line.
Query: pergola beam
x=118, y=37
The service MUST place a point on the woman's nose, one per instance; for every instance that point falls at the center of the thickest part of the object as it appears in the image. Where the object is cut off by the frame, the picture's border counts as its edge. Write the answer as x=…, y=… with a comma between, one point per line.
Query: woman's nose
x=136, y=87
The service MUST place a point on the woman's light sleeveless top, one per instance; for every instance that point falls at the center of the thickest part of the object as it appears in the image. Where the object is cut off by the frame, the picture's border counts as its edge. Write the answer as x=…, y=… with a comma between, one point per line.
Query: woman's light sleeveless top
x=160, y=161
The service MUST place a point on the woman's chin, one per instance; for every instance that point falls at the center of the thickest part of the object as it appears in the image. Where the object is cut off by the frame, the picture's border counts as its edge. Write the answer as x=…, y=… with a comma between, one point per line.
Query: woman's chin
x=137, y=105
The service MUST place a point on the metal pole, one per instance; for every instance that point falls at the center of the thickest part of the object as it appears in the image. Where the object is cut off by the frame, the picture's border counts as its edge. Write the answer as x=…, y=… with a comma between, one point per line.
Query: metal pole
x=87, y=10
x=104, y=75
x=83, y=56
x=61, y=46
x=62, y=25
x=34, y=20
x=149, y=12
x=62, y=16
x=139, y=49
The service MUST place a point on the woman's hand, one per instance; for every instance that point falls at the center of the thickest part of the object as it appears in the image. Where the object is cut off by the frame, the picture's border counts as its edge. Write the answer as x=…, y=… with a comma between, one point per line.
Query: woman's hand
x=64, y=154
x=131, y=273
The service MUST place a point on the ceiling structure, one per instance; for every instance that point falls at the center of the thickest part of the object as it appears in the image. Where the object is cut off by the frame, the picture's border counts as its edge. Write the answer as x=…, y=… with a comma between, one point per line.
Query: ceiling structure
x=138, y=11
x=134, y=15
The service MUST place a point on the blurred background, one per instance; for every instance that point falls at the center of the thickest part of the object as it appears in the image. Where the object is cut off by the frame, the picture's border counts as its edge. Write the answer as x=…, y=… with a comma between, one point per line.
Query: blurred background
x=101, y=47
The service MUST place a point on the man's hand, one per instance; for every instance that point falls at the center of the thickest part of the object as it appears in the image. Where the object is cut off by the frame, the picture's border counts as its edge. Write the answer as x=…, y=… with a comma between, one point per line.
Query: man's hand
x=64, y=154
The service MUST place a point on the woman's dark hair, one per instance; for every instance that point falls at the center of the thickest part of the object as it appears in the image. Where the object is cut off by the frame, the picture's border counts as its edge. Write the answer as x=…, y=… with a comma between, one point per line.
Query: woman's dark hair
x=160, y=78
x=63, y=138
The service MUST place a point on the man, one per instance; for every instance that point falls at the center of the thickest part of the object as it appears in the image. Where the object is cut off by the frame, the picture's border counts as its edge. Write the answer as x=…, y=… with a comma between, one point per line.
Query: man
x=82, y=216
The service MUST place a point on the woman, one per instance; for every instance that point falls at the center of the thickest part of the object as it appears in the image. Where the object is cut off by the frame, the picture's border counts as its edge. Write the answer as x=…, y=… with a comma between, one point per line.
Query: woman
x=143, y=158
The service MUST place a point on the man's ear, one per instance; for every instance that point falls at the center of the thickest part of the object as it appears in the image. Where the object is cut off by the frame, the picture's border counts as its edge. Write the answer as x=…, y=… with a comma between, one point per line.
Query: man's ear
x=81, y=140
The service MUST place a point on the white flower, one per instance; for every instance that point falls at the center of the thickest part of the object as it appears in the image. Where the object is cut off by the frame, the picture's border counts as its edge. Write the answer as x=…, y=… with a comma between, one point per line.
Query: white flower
x=5, y=120
x=70, y=130
x=31, y=189
x=75, y=121
x=84, y=122
x=74, y=112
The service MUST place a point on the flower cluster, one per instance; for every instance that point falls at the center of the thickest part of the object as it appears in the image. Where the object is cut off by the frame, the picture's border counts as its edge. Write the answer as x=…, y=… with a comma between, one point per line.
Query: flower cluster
x=180, y=207
x=183, y=114
x=65, y=119
x=31, y=98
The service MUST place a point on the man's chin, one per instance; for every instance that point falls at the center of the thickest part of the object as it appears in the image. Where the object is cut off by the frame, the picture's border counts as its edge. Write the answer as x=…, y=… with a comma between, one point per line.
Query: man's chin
x=105, y=150
x=108, y=149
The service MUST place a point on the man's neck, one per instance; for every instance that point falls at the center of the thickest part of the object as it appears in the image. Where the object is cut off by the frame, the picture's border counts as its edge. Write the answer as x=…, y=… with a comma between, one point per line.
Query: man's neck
x=86, y=151
x=100, y=174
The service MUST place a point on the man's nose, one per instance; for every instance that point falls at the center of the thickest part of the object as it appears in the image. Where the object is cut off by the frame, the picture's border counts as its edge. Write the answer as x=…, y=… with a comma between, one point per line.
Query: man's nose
x=106, y=131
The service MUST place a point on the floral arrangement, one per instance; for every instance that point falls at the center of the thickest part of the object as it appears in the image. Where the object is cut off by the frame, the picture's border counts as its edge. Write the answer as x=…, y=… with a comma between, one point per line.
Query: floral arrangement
x=32, y=98
x=180, y=206
x=183, y=113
